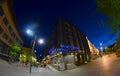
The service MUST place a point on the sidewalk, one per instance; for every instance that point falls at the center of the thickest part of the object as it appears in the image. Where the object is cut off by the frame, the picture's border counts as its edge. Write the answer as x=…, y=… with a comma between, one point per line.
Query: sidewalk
x=52, y=68
x=15, y=69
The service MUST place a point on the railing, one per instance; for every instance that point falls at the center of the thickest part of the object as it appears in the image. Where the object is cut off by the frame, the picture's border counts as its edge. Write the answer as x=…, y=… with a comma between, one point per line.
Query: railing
x=5, y=57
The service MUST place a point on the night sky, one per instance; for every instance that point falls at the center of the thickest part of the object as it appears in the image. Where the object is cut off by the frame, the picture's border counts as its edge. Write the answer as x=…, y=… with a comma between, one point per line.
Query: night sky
x=41, y=16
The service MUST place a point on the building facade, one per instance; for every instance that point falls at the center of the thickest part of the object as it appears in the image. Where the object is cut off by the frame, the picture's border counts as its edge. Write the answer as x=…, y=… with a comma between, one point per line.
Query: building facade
x=27, y=54
x=67, y=44
x=93, y=50
x=8, y=27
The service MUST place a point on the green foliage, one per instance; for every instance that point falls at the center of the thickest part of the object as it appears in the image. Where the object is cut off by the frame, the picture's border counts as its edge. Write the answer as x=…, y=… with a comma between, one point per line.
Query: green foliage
x=14, y=49
x=108, y=50
x=22, y=52
x=118, y=52
x=118, y=41
x=117, y=46
x=111, y=9
x=27, y=56
x=13, y=54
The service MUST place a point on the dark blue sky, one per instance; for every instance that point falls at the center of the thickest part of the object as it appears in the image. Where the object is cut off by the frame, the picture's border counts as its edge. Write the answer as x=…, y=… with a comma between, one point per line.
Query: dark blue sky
x=40, y=15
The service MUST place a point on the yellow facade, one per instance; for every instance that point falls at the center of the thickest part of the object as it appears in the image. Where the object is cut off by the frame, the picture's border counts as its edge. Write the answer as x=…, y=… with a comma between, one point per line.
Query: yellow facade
x=8, y=27
x=93, y=50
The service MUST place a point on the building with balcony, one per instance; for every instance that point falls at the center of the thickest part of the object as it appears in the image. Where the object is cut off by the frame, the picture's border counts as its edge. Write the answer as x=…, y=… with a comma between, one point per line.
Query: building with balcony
x=8, y=27
x=67, y=44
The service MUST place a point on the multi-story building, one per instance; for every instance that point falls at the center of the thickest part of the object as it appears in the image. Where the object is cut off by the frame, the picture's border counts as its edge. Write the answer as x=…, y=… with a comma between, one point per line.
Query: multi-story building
x=8, y=27
x=93, y=50
x=67, y=44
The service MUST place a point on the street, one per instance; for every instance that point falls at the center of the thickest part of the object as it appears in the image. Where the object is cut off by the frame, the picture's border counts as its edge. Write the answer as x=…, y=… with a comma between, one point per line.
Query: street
x=108, y=65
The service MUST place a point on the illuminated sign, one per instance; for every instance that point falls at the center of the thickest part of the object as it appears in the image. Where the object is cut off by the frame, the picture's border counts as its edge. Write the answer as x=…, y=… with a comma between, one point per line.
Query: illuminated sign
x=64, y=48
x=70, y=47
x=52, y=50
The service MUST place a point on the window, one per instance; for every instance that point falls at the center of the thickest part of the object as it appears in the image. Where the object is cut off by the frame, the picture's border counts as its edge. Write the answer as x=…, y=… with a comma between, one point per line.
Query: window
x=5, y=36
x=13, y=34
x=5, y=21
x=1, y=11
x=10, y=41
x=10, y=29
x=1, y=30
x=17, y=39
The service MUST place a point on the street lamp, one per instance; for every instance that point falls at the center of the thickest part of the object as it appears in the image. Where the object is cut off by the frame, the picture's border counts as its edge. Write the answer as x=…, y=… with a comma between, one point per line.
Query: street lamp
x=40, y=54
x=101, y=49
x=35, y=51
x=29, y=32
x=100, y=44
x=41, y=41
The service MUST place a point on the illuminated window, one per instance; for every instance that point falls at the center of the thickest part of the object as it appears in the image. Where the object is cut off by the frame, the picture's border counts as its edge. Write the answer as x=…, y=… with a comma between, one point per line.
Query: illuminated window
x=5, y=21
x=1, y=30
x=1, y=11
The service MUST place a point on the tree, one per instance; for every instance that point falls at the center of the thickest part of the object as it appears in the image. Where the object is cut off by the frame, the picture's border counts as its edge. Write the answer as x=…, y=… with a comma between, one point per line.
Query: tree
x=108, y=50
x=25, y=56
x=117, y=45
x=111, y=9
x=14, y=49
x=28, y=57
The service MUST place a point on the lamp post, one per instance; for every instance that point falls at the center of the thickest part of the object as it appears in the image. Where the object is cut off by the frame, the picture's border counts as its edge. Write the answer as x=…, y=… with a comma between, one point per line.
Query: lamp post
x=33, y=45
x=101, y=49
x=33, y=42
